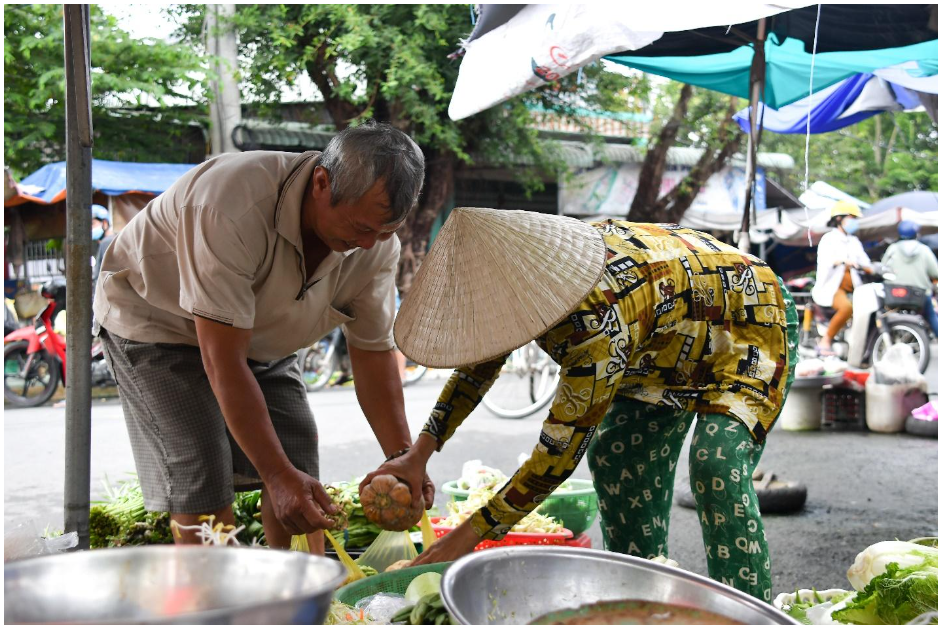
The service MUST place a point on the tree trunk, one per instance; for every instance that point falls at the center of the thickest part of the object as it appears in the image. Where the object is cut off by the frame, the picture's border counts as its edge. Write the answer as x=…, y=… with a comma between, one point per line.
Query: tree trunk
x=415, y=235
x=653, y=167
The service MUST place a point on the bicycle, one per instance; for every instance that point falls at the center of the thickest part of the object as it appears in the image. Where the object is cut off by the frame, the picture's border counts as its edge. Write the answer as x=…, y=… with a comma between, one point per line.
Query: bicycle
x=527, y=383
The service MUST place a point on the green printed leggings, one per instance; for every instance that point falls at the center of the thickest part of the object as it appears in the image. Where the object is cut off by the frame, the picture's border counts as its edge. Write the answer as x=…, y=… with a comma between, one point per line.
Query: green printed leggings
x=633, y=457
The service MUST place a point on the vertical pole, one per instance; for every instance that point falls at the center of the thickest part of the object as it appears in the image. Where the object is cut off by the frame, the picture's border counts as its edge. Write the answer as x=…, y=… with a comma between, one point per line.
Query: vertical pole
x=78, y=135
x=757, y=77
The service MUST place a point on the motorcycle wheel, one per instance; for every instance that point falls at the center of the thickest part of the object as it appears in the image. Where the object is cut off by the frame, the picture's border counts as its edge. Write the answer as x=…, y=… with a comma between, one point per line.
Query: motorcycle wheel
x=317, y=365
x=913, y=335
x=31, y=388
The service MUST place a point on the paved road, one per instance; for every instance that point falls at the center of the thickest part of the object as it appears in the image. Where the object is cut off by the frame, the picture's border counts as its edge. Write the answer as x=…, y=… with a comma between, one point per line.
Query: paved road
x=863, y=487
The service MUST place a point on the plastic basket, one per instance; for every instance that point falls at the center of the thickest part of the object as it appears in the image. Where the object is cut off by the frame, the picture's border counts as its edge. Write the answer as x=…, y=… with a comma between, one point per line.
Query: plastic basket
x=576, y=509
x=842, y=409
x=579, y=541
x=512, y=538
x=394, y=581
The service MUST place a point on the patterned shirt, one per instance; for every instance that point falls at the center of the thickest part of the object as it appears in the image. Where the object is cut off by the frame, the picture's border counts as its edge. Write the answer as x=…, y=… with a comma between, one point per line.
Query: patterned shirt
x=678, y=319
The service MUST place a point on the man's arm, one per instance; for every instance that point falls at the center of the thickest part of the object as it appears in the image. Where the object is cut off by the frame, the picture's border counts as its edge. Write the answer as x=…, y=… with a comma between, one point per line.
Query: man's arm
x=293, y=493
x=380, y=394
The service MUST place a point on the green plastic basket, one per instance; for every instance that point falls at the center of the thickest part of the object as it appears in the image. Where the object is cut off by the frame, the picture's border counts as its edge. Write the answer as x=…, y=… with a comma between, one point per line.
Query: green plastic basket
x=395, y=581
x=576, y=509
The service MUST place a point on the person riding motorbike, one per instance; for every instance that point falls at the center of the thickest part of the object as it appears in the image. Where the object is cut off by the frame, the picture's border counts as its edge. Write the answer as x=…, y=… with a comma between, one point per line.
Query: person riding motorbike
x=913, y=264
x=841, y=258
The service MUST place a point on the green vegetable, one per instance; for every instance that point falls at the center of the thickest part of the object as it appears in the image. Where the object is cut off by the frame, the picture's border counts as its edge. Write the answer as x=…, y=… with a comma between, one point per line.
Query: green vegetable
x=896, y=596
x=424, y=584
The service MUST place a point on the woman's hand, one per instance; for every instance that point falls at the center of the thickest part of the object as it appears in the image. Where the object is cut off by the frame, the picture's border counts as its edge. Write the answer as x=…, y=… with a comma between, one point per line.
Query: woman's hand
x=451, y=546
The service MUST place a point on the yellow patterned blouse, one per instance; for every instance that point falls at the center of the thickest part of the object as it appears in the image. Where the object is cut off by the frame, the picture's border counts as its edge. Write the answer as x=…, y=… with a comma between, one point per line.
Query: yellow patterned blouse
x=678, y=319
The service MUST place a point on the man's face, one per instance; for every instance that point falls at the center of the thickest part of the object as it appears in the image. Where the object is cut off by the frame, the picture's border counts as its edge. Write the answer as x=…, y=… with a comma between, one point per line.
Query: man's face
x=349, y=225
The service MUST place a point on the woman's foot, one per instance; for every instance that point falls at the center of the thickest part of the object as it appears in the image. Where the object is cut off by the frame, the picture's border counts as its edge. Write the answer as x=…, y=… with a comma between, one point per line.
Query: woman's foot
x=824, y=350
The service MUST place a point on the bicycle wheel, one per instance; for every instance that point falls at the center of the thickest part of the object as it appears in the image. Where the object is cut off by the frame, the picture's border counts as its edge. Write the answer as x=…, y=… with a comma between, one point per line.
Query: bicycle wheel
x=317, y=364
x=413, y=372
x=527, y=383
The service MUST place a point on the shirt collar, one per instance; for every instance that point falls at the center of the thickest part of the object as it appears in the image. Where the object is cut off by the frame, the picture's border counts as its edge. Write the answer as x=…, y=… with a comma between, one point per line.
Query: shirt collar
x=290, y=197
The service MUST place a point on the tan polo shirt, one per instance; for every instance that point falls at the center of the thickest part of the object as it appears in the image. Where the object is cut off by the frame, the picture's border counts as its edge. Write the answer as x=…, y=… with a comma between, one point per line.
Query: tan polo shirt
x=224, y=243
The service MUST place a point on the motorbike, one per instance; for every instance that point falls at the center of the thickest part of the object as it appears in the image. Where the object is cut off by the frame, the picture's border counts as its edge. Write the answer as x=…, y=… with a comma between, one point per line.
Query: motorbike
x=884, y=314
x=34, y=356
x=320, y=361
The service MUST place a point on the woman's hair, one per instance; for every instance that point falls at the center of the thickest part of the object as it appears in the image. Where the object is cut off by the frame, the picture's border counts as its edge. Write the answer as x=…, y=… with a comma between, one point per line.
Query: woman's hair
x=835, y=221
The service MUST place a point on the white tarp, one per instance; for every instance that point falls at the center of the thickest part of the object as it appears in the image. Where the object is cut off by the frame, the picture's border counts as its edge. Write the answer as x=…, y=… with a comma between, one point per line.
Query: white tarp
x=544, y=42
x=609, y=190
x=795, y=224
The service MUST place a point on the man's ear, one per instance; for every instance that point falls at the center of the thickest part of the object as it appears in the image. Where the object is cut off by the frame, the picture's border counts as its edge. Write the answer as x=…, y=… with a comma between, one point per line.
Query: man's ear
x=321, y=183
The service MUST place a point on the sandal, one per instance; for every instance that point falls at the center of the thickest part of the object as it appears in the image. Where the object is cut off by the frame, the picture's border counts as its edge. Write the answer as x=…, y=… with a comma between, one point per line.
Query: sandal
x=824, y=352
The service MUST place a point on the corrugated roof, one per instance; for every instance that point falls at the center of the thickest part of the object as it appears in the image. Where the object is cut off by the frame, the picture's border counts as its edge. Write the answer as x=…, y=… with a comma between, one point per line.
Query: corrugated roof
x=295, y=136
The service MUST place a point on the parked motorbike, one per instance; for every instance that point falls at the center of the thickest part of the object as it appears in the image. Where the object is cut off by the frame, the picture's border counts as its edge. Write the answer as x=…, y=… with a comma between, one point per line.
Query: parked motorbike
x=34, y=356
x=320, y=361
x=884, y=314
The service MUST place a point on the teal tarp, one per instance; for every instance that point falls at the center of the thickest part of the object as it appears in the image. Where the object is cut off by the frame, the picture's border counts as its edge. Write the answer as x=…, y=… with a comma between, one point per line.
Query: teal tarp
x=787, y=67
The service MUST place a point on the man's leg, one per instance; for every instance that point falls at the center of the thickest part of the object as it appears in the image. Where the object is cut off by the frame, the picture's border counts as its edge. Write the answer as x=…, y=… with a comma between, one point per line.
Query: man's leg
x=176, y=430
x=285, y=394
x=929, y=311
x=720, y=464
x=632, y=460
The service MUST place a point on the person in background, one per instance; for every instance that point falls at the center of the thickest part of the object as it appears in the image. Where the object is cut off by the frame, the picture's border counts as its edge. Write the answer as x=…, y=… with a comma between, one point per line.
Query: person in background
x=102, y=232
x=913, y=264
x=653, y=325
x=841, y=258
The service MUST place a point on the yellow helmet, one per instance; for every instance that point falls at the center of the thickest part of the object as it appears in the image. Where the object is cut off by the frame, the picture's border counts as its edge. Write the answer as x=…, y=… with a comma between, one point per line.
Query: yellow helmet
x=843, y=207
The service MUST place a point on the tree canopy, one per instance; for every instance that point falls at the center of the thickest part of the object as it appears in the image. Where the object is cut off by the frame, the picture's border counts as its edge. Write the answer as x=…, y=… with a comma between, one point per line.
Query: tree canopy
x=879, y=157
x=133, y=81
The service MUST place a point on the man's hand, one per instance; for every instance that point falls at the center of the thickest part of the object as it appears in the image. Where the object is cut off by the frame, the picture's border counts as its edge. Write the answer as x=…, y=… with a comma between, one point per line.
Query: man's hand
x=412, y=470
x=299, y=501
x=451, y=546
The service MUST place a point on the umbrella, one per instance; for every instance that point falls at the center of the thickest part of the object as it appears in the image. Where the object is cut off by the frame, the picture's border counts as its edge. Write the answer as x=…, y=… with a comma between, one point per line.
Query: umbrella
x=919, y=201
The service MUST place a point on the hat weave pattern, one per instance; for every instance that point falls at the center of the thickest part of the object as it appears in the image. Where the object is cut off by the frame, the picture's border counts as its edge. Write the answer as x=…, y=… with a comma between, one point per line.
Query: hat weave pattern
x=493, y=281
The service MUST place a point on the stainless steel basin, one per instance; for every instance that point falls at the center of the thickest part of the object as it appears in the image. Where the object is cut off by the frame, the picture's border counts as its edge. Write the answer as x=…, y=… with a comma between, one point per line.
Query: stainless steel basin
x=514, y=585
x=167, y=584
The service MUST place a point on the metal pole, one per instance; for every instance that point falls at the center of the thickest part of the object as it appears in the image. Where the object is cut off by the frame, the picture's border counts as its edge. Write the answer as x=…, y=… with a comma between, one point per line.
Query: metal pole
x=78, y=136
x=757, y=77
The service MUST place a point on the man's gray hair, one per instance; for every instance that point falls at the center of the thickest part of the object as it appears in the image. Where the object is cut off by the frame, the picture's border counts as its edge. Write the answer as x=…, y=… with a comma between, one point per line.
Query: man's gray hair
x=360, y=156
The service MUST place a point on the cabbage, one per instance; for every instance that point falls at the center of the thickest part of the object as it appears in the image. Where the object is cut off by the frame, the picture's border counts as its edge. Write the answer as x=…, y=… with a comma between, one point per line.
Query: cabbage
x=423, y=584
x=902, y=584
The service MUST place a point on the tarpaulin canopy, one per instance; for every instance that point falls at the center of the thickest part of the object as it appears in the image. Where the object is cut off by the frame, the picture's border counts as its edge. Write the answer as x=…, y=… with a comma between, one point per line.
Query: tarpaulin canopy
x=47, y=185
x=919, y=201
x=788, y=66
x=840, y=105
x=519, y=49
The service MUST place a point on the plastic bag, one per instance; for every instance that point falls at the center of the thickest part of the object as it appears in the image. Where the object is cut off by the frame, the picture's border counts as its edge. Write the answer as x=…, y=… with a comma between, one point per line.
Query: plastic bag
x=382, y=606
x=388, y=548
x=926, y=412
x=898, y=366
x=26, y=541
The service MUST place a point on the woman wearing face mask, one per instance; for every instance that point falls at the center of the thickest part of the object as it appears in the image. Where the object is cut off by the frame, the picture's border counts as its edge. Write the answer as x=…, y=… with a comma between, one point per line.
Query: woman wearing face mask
x=840, y=259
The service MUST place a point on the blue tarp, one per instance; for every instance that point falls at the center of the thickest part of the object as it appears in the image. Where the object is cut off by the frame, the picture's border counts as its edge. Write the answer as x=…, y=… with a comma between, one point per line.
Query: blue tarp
x=47, y=185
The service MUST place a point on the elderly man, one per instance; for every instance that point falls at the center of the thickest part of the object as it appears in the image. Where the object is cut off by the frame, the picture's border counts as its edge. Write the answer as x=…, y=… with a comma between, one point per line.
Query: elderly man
x=205, y=296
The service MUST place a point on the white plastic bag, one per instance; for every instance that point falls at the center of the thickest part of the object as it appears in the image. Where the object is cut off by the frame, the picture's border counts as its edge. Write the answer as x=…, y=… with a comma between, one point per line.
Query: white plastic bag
x=382, y=606
x=26, y=541
x=898, y=366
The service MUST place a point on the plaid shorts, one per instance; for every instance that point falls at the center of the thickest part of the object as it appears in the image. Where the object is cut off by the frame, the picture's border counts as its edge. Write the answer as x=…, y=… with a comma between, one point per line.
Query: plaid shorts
x=186, y=458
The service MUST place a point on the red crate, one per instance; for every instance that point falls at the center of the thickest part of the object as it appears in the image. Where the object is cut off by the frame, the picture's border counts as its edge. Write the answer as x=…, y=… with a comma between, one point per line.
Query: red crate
x=512, y=538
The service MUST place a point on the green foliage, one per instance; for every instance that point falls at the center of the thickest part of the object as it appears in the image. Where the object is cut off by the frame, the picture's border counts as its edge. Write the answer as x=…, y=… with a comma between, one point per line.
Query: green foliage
x=127, y=74
x=395, y=63
x=879, y=157
x=897, y=596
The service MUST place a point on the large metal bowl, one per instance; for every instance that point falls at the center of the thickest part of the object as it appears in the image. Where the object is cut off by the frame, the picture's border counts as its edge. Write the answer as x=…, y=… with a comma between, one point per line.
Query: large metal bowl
x=515, y=585
x=167, y=584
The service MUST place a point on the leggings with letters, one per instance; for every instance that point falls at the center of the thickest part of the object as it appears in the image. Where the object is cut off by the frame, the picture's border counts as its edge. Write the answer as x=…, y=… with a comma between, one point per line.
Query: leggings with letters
x=633, y=458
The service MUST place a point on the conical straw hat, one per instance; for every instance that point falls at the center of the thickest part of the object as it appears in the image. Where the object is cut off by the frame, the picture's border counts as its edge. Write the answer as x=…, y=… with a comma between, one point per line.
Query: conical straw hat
x=493, y=281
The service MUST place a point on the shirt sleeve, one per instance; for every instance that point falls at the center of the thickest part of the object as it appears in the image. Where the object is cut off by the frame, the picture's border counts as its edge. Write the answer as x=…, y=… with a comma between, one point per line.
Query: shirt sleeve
x=581, y=403
x=217, y=266
x=459, y=397
x=373, y=308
